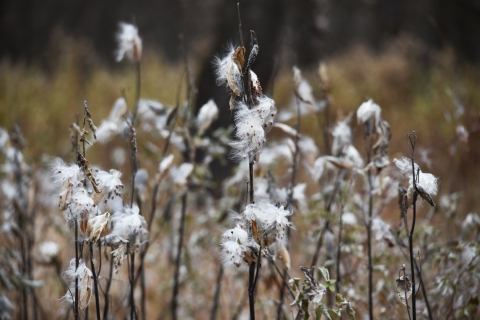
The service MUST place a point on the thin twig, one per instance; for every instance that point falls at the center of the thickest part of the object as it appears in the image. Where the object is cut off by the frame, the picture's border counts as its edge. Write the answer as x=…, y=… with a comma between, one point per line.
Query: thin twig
x=369, y=232
x=216, y=297
x=95, y=281
x=412, y=137
x=176, y=278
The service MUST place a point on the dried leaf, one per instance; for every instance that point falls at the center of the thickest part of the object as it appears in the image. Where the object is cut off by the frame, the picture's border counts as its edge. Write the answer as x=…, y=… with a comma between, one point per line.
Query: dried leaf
x=324, y=310
x=284, y=256
x=340, y=162
x=350, y=311
x=286, y=128
x=324, y=272
x=113, y=240
x=401, y=284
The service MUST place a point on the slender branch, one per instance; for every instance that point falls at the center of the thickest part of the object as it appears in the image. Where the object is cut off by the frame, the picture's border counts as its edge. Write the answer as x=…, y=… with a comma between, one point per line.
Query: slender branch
x=176, y=277
x=216, y=297
x=251, y=289
x=75, y=311
x=132, y=281
x=369, y=235
x=107, y=291
x=137, y=92
x=95, y=281
x=412, y=137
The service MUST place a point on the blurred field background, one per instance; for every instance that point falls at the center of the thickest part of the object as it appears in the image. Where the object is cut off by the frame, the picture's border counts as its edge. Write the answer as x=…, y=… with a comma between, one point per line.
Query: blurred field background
x=420, y=63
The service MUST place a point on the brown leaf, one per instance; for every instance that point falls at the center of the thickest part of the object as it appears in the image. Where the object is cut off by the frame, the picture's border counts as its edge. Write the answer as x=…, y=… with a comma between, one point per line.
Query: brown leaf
x=284, y=256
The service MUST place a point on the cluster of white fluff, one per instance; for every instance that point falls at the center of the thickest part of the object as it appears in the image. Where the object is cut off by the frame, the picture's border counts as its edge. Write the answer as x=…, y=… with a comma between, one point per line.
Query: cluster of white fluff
x=272, y=221
x=427, y=181
x=369, y=114
x=112, y=186
x=129, y=224
x=251, y=124
x=251, y=128
x=234, y=246
x=48, y=251
x=369, y=111
x=78, y=200
x=129, y=43
x=260, y=225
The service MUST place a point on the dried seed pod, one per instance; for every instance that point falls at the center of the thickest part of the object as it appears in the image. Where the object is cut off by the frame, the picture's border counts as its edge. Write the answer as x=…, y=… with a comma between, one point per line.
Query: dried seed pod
x=422, y=193
x=238, y=57
x=83, y=162
x=97, y=226
x=404, y=287
x=85, y=291
x=89, y=120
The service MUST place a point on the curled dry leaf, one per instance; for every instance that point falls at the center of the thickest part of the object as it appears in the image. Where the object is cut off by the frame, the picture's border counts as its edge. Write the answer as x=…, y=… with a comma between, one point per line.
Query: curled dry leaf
x=113, y=240
x=404, y=286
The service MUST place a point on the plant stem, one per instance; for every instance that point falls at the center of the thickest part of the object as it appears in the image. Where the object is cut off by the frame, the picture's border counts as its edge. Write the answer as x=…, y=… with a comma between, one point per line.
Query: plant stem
x=137, y=92
x=95, y=281
x=339, y=252
x=216, y=297
x=75, y=311
x=250, y=167
x=412, y=138
x=251, y=289
x=176, y=277
x=106, y=294
x=132, y=284
x=410, y=243
x=369, y=237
